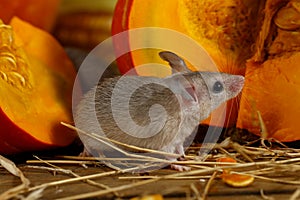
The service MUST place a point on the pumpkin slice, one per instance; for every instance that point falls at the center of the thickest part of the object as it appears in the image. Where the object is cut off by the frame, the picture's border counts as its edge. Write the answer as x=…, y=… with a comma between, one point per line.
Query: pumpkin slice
x=149, y=197
x=270, y=104
x=237, y=180
x=225, y=29
x=234, y=180
x=272, y=89
x=36, y=80
x=226, y=160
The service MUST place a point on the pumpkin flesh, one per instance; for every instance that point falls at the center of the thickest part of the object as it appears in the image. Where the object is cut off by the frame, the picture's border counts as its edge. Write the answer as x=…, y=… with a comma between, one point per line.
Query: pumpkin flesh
x=36, y=77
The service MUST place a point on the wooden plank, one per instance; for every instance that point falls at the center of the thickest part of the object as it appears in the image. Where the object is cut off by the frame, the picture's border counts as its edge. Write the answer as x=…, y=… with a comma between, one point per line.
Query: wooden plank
x=171, y=189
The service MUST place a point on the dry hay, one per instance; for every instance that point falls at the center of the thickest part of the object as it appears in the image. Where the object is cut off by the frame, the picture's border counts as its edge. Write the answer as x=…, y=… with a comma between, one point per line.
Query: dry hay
x=261, y=162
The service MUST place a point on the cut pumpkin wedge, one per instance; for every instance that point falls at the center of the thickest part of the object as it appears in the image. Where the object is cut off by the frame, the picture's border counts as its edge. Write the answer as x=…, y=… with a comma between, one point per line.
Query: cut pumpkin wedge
x=36, y=80
x=270, y=99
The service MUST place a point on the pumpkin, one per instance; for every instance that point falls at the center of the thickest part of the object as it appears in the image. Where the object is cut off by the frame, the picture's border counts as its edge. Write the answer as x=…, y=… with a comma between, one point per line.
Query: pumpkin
x=272, y=91
x=231, y=179
x=36, y=80
x=225, y=29
x=42, y=14
x=271, y=96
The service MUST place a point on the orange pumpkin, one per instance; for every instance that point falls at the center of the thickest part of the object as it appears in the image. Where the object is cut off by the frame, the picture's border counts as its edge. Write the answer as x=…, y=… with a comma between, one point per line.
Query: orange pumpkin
x=225, y=29
x=36, y=80
x=39, y=13
x=272, y=89
x=270, y=101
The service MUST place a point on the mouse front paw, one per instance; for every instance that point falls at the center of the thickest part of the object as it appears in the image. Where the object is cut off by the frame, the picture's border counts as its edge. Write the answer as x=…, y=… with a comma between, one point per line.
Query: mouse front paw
x=180, y=168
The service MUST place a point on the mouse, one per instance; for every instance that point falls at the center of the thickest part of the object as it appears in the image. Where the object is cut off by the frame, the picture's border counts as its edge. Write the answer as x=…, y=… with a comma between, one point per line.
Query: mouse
x=152, y=112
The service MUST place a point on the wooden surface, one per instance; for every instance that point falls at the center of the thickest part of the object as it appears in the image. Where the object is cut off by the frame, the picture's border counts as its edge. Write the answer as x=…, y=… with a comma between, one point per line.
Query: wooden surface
x=170, y=189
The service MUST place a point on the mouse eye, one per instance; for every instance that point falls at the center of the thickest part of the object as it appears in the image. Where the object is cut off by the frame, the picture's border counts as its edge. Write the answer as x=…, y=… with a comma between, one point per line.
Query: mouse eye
x=218, y=87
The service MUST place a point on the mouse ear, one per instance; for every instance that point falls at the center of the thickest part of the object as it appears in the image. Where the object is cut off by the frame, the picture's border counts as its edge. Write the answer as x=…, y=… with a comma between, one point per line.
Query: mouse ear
x=177, y=63
x=180, y=86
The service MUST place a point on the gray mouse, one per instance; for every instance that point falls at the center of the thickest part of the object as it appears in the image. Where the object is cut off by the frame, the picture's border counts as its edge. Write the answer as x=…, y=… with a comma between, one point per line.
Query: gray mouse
x=151, y=112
